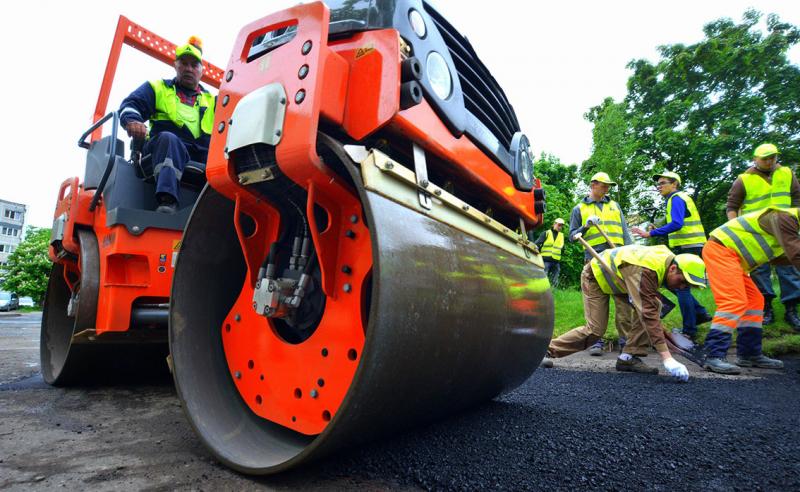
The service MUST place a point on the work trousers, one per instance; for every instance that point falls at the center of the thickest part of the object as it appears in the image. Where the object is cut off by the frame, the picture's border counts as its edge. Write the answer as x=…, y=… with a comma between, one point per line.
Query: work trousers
x=739, y=304
x=788, y=279
x=169, y=157
x=690, y=308
x=552, y=269
x=595, y=311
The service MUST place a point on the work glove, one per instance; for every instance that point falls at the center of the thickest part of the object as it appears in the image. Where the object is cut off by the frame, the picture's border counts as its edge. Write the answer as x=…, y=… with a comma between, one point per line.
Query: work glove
x=676, y=369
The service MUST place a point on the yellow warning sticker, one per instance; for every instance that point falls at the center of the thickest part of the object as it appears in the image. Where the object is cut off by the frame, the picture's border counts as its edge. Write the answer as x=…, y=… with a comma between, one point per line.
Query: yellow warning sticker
x=176, y=244
x=365, y=50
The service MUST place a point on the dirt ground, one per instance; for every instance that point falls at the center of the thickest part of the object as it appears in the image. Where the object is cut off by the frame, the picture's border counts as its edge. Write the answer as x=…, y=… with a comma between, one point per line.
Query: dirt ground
x=580, y=424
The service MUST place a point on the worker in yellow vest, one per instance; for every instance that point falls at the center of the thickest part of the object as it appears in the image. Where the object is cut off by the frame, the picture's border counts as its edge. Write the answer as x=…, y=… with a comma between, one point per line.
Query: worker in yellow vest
x=551, y=244
x=181, y=116
x=612, y=220
x=767, y=183
x=637, y=272
x=733, y=250
x=686, y=235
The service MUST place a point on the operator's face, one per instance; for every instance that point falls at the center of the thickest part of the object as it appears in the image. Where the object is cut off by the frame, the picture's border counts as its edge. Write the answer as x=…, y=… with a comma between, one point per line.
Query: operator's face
x=188, y=70
x=599, y=189
x=675, y=278
x=766, y=163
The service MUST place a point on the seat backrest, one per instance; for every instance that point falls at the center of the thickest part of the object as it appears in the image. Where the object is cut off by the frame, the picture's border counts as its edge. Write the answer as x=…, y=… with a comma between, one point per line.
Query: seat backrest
x=96, y=161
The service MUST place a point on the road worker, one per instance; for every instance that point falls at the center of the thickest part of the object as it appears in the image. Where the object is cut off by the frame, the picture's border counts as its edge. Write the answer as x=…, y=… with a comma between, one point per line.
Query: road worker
x=181, y=116
x=768, y=183
x=551, y=244
x=598, y=203
x=735, y=249
x=637, y=272
x=686, y=235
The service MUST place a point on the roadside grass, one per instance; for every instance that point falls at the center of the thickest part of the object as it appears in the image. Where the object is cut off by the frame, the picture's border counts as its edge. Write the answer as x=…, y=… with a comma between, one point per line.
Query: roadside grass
x=779, y=338
x=29, y=309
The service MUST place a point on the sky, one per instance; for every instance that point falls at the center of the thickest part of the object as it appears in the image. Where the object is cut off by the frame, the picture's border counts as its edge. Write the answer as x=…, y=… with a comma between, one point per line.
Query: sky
x=555, y=60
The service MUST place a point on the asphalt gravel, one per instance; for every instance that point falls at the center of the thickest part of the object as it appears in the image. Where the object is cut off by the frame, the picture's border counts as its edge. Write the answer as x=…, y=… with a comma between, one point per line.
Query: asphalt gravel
x=580, y=426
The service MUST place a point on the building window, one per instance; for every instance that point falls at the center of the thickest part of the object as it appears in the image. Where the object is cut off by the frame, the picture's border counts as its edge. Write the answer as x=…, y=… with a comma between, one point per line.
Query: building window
x=3, y=248
x=12, y=214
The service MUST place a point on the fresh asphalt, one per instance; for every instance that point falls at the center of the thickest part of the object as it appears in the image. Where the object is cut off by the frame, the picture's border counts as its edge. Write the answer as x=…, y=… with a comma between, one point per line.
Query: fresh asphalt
x=580, y=425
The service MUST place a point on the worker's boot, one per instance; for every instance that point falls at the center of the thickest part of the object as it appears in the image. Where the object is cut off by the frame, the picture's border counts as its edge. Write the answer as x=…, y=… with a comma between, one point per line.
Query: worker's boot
x=791, y=316
x=759, y=360
x=635, y=364
x=547, y=362
x=720, y=365
x=769, y=315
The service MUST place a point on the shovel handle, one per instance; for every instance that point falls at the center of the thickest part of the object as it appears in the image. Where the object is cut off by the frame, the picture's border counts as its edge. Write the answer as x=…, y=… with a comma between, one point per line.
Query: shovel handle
x=596, y=255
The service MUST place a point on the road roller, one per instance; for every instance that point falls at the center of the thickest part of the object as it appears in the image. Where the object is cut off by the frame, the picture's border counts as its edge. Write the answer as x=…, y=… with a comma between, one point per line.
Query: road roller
x=358, y=262
x=107, y=299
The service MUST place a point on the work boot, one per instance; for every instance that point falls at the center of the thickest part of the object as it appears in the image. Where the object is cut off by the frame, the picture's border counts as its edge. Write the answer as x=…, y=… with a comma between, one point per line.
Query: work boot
x=720, y=365
x=791, y=316
x=547, y=362
x=635, y=364
x=769, y=315
x=759, y=360
x=596, y=349
x=166, y=203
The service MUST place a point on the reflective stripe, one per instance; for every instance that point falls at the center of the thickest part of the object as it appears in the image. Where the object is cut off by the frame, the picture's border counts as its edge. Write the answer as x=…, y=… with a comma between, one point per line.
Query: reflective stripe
x=749, y=324
x=688, y=235
x=756, y=199
x=754, y=312
x=758, y=237
x=721, y=327
x=725, y=315
x=167, y=163
x=130, y=110
x=612, y=279
x=748, y=258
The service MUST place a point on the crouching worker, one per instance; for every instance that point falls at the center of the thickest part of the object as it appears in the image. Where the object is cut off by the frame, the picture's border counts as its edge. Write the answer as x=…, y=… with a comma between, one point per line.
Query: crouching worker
x=181, y=116
x=638, y=273
x=735, y=249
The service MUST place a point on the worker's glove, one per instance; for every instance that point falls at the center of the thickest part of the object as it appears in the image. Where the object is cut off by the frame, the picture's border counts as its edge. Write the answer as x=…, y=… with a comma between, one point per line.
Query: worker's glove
x=676, y=369
x=591, y=221
x=136, y=129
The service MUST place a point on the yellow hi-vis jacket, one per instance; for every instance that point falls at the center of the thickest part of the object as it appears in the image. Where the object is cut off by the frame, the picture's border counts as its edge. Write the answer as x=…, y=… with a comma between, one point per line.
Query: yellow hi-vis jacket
x=692, y=232
x=656, y=258
x=759, y=194
x=610, y=221
x=169, y=107
x=551, y=248
x=745, y=236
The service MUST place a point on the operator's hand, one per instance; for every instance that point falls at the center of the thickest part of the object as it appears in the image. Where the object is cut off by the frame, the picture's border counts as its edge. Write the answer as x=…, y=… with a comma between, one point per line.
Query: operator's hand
x=676, y=369
x=136, y=129
x=640, y=232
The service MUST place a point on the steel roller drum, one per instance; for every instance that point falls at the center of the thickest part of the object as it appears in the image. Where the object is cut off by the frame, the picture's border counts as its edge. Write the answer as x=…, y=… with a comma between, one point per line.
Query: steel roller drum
x=453, y=321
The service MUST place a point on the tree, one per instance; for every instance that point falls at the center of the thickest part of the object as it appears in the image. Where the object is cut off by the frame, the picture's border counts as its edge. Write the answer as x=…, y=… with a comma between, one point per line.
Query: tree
x=560, y=184
x=702, y=109
x=28, y=267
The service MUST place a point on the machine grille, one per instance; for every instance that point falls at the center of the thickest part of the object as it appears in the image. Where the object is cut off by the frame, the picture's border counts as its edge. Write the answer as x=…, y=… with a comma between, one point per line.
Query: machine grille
x=483, y=96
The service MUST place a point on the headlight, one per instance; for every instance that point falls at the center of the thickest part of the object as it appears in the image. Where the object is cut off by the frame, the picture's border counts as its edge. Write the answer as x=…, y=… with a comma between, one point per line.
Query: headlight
x=417, y=23
x=523, y=162
x=439, y=75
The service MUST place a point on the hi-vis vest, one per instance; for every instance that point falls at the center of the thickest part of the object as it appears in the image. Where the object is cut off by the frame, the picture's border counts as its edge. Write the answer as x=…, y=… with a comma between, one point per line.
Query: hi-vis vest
x=745, y=236
x=610, y=221
x=552, y=247
x=692, y=232
x=759, y=194
x=656, y=258
x=170, y=108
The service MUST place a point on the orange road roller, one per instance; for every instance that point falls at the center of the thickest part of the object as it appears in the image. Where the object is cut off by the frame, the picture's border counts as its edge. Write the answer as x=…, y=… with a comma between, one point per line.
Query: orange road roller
x=113, y=256
x=358, y=262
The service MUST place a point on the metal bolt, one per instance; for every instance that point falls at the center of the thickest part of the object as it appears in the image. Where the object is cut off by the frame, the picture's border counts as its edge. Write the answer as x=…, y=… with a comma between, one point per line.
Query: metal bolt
x=237, y=375
x=229, y=76
x=283, y=100
x=303, y=72
x=347, y=270
x=136, y=228
x=349, y=233
x=225, y=100
x=348, y=288
x=307, y=47
x=487, y=220
x=230, y=122
x=255, y=305
x=237, y=318
x=465, y=207
x=300, y=96
x=221, y=127
x=313, y=393
x=277, y=133
x=424, y=183
x=437, y=192
x=270, y=288
x=389, y=165
x=354, y=219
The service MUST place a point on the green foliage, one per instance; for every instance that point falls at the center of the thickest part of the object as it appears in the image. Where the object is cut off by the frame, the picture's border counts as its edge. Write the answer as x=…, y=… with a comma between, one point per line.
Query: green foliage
x=702, y=109
x=29, y=266
x=559, y=182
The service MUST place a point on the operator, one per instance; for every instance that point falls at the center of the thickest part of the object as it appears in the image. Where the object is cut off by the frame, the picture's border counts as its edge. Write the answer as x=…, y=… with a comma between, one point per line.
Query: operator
x=768, y=183
x=181, y=116
x=598, y=203
x=686, y=235
x=638, y=272
x=551, y=243
x=734, y=250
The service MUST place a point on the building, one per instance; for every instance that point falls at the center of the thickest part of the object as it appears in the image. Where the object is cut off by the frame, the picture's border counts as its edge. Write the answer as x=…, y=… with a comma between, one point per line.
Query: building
x=12, y=224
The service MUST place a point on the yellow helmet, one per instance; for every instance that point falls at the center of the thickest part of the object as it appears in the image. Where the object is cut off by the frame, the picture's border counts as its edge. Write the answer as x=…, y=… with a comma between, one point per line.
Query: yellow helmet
x=765, y=150
x=602, y=177
x=693, y=268
x=193, y=47
x=667, y=174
